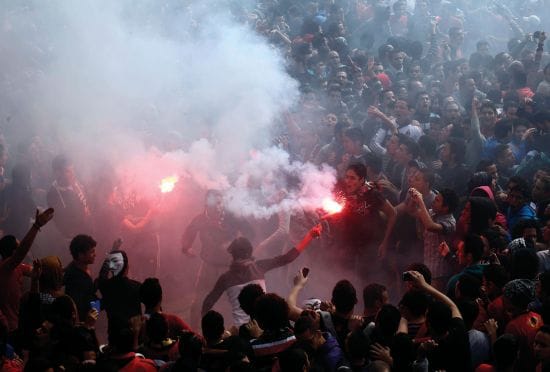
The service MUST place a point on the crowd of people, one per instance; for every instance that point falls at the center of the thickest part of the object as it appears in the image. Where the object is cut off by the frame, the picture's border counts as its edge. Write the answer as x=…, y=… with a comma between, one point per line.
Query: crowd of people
x=434, y=115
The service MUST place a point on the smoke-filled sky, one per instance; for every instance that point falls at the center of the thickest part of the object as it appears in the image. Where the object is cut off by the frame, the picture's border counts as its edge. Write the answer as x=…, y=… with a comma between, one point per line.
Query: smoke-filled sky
x=100, y=79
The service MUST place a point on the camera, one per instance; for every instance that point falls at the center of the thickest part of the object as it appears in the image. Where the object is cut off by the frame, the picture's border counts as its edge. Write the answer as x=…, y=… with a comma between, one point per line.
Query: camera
x=305, y=272
x=407, y=277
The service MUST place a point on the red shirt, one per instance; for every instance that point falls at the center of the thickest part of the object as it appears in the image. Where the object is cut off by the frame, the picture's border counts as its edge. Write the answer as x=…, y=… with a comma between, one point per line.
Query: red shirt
x=525, y=327
x=11, y=291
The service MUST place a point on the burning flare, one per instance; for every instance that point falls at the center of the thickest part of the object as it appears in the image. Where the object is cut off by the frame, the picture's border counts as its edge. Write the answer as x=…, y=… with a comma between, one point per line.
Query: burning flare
x=331, y=206
x=167, y=184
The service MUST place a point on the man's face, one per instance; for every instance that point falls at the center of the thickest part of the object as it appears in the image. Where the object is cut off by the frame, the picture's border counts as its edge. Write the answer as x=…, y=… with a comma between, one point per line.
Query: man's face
x=342, y=77
x=492, y=171
x=415, y=72
x=335, y=97
x=507, y=158
x=116, y=263
x=349, y=145
x=88, y=257
x=401, y=110
x=392, y=145
x=538, y=192
x=389, y=99
x=452, y=112
x=334, y=59
x=353, y=181
x=546, y=232
x=519, y=131
x=511, y=112
x=469, y=86
x=541, y=346
x=402, y=155
x=66, y=176
x=515, y=199
x=483, y=49
x=397, y=60
x=530, y=234
x=445, y=155
x=487, y=117
x=378, y=69
x=423, y=103
x=214, y=204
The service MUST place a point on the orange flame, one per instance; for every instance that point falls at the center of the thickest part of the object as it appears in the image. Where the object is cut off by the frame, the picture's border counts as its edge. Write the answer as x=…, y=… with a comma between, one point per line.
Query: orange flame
x=331, y=206
x=167, y=184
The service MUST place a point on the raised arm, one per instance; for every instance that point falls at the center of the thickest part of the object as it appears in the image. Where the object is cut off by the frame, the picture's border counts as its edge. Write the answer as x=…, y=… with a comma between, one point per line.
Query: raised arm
x=419, y=283
x=21, y=252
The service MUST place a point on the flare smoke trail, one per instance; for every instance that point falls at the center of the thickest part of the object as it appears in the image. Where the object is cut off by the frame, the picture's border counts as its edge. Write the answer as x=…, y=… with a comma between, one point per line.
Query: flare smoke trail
x=101, y=80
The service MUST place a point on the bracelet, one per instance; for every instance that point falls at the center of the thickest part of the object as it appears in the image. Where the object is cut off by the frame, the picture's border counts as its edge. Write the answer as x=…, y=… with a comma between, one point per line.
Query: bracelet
x=36, y=226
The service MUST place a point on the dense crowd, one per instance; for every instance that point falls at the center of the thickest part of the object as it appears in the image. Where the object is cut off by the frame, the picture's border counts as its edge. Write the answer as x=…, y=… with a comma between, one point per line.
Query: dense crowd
x=435, y=116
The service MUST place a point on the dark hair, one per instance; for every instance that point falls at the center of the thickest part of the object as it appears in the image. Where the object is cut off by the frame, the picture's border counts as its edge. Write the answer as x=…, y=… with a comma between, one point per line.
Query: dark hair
x=358, y=344
x=150, y=292
x=248, y=295
x=416, y=302
x=496, y=274
x=523, y=224
x=8, y=245
x=271, y=312
x=81, y=244
x=481, y=211
x=359, y=169
x=387, y=323
x=524, y=264
x=63, y=311
x=428, y=145
x=412, y=147
x=355, y=134
x=344, y=296
x=473, y=244
x=60, y=162
x=479, y=179
x=505, y=349
x=439, y=317
x=422, y=269
x=457, y=148
x=503, y=129
x=212, y=325
x=156, y=328
x=293, y=360
x=190, y=348
x=469, y=311
x=371, y=293
x=374, y=162
x=469, y=286
x=303, y=324
x=500, y=150
x=240, y=248
x=450, y=199
x=483, y=164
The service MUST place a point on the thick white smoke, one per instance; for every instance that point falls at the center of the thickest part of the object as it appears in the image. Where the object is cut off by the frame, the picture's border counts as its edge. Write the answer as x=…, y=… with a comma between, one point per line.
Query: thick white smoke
x=101, y=79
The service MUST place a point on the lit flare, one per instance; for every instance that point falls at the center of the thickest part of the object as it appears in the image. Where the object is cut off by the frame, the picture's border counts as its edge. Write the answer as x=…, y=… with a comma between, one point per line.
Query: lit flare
x=167, y=184
x=331, y=206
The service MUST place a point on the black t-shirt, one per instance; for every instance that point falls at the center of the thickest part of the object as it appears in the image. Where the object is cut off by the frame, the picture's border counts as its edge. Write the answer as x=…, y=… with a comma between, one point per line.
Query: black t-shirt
x=359, y=223
x=453, y=352
x=80, y=286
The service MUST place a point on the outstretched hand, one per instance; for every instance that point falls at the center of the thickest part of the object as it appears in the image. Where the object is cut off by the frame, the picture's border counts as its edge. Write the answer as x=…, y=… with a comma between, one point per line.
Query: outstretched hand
x=43, y=218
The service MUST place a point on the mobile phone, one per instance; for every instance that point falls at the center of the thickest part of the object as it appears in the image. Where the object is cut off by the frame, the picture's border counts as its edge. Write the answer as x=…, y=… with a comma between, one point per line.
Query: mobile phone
x=407, y=277
x=96, y=305
x=305, y=272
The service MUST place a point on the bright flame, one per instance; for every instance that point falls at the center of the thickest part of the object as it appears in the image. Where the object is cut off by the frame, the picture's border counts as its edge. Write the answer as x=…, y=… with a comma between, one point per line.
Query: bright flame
x=331, y=206
x=167, y=184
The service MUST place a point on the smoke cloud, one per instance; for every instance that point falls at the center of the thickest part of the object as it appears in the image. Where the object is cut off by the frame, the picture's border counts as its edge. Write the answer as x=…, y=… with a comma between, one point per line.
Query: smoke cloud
x=110, y=82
